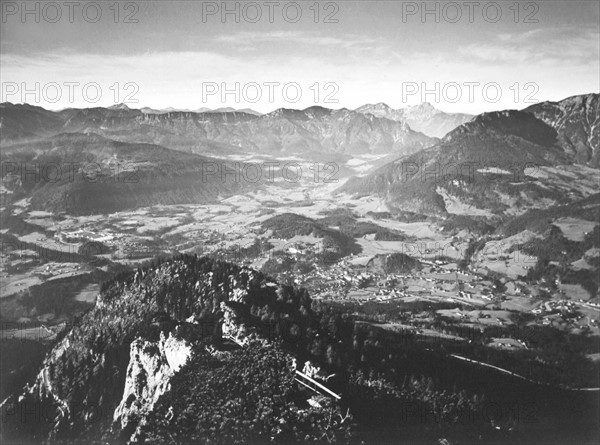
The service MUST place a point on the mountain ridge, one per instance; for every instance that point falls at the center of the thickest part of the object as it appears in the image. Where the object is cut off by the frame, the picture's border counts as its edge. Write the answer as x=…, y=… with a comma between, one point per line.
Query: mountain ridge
x=498, y=162
x=313, y=131
x=423, y=117
x=94, y=174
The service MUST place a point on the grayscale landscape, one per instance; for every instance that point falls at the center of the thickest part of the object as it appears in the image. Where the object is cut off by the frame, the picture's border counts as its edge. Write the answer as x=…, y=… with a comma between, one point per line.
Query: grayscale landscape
x=197, y=267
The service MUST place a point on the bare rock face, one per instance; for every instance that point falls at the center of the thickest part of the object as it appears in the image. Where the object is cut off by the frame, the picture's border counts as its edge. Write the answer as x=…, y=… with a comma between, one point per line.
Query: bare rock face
x=151, y=366
x=502, y=148
x=424, y=117
x=44, y=387
x=232, y=328
x=577, y=122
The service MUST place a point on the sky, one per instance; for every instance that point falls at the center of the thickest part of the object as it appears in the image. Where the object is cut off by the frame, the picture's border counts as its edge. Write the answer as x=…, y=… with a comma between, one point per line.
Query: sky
x=460, y=56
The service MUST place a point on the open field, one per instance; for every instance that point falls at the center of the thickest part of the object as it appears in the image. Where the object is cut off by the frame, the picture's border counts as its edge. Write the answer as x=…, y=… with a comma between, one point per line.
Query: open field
x=233, y=227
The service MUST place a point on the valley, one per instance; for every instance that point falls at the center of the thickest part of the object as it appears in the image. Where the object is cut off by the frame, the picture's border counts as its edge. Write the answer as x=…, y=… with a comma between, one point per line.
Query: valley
x=496, y=269
x=277, y=223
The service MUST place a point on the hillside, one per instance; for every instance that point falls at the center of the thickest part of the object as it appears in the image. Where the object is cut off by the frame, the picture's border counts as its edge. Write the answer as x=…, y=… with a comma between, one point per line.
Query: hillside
x=335, y=244
x=577, y=122
x=154, y=351
x=393, y=264
x=88, y=364
x=87, y=174
x=499, y=163
x=306, y=132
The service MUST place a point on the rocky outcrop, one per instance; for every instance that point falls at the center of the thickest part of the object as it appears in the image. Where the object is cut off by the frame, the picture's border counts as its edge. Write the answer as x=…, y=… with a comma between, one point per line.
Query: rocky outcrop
x=577, y=122
x=393, y=263
x=151, y=366
x=424, y=117
x=104, y=378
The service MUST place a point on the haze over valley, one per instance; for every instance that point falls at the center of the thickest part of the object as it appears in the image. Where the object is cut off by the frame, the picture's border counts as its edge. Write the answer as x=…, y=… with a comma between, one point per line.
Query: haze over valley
x=367, y=270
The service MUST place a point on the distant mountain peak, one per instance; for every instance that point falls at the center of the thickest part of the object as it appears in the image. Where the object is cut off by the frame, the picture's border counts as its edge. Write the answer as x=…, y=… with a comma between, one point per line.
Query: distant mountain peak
x=379, y=107
x=423, y=106
x=316, y=111
x=232, y=110
x=286, y=113
x=148, y=110
x=18, y=105
x=120, y=106
x=423, y=117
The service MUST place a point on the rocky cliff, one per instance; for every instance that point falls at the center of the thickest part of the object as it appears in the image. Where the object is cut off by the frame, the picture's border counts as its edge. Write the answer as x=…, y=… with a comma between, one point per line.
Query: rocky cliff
x=151, y=366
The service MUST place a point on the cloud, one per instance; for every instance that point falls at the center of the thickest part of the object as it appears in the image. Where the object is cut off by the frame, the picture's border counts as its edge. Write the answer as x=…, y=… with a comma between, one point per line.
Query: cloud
x=366, y=69
x=546, y=46
x=301, y=41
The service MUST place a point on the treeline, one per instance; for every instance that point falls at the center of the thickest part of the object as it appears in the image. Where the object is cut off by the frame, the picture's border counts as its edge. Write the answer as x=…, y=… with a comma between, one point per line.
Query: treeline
x=473, y=247
x=554, y=247
x=91, y=371
x=164, y=294
x=246, y=396
x=549, y=356
x=336, y=244
x=19, y=359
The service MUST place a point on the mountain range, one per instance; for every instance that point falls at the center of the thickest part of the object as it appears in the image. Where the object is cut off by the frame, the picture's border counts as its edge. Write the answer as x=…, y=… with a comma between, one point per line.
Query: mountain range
x=192, y=349
x=145, y=159
x=307, y=133
x=498, y=163
x=423, y=117
x=83, y=173
x=577, y=122
x=149, y=110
